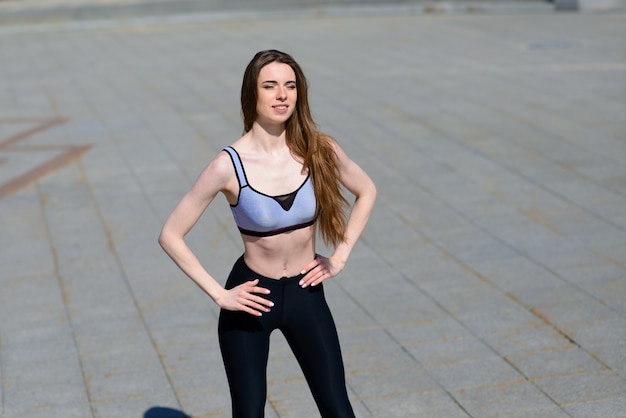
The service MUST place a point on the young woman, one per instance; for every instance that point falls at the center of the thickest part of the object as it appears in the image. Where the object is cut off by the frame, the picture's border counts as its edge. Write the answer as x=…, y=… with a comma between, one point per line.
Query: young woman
x=283, y=180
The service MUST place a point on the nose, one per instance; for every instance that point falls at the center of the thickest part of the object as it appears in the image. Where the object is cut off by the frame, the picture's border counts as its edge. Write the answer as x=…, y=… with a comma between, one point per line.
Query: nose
x=281, y=93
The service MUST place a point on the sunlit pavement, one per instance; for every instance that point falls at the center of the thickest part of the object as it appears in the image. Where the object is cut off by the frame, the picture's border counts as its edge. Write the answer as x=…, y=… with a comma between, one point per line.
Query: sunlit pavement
x=491, y=281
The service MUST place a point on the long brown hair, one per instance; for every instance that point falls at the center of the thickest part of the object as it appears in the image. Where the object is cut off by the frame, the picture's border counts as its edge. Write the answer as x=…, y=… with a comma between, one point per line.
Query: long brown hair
x=305, y=142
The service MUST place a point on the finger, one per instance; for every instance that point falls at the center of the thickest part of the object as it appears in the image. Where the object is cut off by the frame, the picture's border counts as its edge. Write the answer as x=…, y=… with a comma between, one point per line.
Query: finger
x=246, y=286
x=320, y=279
x=313, y=278
x=251, y=287
x=246, y=305
x=262, y=301
x=315, y=269
x=307, y=278
x=313, y=264
x=251, y=311
x=254, y=306
x=258, y=307
x=252, y=294
x=257, y=289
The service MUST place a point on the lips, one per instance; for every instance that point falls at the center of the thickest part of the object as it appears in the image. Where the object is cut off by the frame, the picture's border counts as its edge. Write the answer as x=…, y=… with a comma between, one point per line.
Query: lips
x=280, y=108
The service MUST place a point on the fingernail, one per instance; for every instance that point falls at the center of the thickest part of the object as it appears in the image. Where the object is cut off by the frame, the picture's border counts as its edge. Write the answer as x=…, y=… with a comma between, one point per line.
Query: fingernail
x=303, y=271
x=313, y=284
x=271, y=303
x=300, y=282
x=267, y=292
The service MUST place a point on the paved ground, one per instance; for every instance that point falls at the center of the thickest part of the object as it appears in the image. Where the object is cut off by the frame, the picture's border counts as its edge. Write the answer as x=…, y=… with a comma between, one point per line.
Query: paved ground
x=20, y=11
x=491, y=281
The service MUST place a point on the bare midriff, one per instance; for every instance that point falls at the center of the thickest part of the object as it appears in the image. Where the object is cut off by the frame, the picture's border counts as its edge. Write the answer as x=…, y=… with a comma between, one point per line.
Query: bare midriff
x=282, y=255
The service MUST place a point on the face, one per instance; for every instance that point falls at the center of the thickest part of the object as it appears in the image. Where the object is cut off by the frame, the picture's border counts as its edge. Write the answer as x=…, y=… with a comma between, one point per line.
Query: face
x=276, y=93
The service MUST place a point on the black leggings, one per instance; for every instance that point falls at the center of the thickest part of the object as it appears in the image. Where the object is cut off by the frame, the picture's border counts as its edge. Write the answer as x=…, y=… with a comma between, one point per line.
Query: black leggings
x=303, y=317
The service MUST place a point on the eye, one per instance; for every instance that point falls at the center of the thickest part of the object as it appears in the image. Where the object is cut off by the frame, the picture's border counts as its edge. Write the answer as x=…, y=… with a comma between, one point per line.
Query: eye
x=291, y=86
x=268, y=86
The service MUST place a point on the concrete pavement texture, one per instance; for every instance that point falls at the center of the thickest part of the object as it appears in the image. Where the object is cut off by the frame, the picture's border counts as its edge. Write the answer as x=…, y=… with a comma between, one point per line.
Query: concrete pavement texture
x=24, y=11
x=490, y=282
x=40, y=11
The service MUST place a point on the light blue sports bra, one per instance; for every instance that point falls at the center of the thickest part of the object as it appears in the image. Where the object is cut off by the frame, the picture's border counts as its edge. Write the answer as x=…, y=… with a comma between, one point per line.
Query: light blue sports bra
x=261, y=215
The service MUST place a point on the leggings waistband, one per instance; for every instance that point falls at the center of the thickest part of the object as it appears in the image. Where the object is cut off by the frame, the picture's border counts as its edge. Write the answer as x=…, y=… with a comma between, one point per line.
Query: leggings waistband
x=285, y=280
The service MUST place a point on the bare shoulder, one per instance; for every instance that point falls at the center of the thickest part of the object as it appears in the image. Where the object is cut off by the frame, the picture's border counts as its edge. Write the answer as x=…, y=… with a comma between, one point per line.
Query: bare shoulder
x=220, y=167
x=342, y=157
x=218, y=176
x=222, y=163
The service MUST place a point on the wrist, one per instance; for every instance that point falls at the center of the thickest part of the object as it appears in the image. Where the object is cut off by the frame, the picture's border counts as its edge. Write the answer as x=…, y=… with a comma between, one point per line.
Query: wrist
x=218, y=296
x=340, y=256
x=338, y=260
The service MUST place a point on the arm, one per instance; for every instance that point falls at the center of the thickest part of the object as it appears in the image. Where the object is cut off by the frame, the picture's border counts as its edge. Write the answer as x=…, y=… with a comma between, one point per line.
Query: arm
x=357, y=182
x=217, y=177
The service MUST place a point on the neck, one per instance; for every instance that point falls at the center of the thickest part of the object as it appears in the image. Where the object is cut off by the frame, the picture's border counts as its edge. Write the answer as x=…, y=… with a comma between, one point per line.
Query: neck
x=268, y=138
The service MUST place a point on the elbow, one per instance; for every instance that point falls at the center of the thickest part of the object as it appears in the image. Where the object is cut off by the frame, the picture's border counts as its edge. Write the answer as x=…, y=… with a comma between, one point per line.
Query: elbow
x=367, y=195
x=162, y=240
x=165, y=240
x=372, y=192
x=171, y=237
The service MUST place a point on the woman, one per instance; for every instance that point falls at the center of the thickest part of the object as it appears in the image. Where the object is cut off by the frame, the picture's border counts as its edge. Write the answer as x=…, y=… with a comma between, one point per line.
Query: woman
x=283, y=180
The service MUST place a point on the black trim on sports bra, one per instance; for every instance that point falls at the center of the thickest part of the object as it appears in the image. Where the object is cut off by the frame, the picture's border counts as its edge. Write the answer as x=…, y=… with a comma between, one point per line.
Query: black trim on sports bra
x=284, y=200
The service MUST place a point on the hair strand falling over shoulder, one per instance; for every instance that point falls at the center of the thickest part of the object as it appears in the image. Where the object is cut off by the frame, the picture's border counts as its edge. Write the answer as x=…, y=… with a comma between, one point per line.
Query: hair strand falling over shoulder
x=306, y=142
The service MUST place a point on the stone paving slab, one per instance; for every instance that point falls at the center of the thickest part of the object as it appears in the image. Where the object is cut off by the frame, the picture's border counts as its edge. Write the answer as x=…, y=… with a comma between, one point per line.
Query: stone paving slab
x=490, y=282
x=58, y=11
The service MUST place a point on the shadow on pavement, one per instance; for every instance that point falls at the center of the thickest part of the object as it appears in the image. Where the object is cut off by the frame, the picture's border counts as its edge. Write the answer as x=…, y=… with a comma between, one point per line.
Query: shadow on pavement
x=162, y=412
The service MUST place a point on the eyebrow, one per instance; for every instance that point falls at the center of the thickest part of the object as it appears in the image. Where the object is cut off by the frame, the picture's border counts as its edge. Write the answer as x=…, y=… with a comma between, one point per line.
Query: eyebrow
x=276, y=82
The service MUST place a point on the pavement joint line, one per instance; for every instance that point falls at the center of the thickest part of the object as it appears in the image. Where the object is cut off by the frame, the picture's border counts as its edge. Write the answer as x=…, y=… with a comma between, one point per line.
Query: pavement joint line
x=478, y=276
x=64, y=294
x=611, y=260
x=445, y=274
x=345, y=11
x=475, y=274
x=535, y=311
x=403, y=348
x=538, y=219
x=115, y=253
